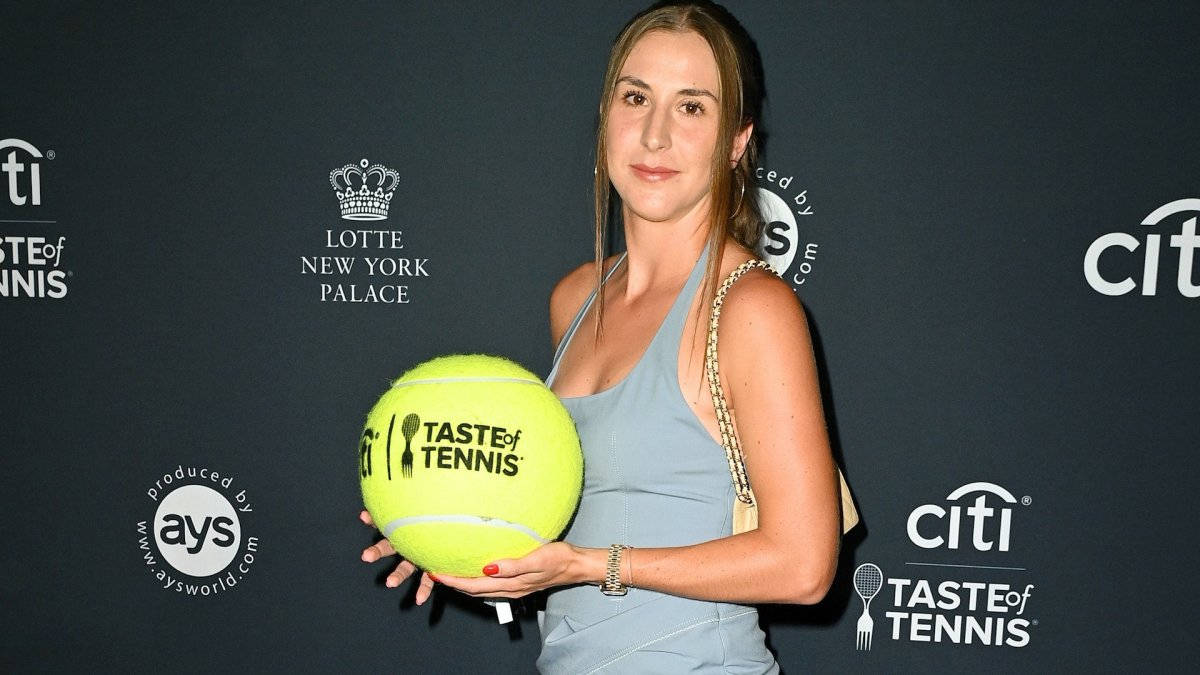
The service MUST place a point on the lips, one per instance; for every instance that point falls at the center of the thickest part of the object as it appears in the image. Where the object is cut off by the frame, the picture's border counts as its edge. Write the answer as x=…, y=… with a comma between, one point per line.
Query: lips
x=652, y=173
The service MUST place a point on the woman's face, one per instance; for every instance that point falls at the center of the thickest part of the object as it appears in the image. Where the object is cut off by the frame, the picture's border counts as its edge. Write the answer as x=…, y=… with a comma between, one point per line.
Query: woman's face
x=663, y=125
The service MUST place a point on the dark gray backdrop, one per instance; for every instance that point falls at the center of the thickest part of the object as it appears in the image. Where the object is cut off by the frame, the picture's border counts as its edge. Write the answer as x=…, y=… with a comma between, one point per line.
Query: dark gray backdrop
x=958, y=161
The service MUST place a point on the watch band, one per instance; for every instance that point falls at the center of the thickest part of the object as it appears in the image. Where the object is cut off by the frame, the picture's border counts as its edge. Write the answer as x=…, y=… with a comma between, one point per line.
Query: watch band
x=612, y=575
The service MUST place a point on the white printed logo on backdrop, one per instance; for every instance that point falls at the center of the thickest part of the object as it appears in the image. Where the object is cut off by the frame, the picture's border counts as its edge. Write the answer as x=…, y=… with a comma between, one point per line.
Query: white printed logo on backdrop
x=1147, y=262
x=23, y=171
x=954, y=599
x=196, y=541
x=364, y=264
x=30, y=257
x=781, y=202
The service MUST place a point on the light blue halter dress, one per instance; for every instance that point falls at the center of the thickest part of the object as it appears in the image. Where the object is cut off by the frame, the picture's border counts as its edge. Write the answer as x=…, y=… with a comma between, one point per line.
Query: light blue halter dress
x=653, y=477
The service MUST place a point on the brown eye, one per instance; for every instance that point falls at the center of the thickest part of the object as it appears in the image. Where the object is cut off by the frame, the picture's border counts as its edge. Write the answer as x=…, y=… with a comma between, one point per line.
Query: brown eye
x=635, y=98
x=693, y=108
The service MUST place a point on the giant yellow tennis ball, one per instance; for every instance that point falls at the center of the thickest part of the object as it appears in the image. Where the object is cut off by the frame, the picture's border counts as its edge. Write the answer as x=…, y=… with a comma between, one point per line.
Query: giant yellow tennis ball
x=467, y=459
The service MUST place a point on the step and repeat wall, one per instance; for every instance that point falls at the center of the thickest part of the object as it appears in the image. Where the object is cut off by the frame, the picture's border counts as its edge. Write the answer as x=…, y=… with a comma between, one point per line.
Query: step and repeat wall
x=987, y=209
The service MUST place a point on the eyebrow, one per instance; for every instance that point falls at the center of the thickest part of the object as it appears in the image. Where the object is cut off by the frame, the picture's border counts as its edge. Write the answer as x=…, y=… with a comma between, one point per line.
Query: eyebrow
x=684, y=92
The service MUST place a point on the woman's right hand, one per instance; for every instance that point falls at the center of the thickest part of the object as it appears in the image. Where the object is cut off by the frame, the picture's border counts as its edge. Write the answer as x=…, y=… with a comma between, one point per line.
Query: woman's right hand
x=403, y=570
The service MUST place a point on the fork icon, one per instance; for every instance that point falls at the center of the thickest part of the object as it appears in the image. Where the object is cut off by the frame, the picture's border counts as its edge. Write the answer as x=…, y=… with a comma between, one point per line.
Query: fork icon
x=868, y=579
x=409, y=428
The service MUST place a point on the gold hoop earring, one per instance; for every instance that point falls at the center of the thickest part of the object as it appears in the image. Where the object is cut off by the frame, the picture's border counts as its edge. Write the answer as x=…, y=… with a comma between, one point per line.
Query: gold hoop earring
x=741, y=193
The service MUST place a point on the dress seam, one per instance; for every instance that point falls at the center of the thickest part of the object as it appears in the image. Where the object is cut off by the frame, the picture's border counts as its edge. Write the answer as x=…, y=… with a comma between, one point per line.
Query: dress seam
x=612, y=452
x=724, y=647
x=660, y=638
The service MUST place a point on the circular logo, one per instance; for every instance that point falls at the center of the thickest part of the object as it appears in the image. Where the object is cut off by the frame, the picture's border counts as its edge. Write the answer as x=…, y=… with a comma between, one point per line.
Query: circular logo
x=197, y=530
x=781, y=235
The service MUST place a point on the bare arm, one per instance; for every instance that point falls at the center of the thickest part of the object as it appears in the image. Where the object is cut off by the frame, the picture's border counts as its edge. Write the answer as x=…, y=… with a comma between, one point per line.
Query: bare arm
x=567, y=297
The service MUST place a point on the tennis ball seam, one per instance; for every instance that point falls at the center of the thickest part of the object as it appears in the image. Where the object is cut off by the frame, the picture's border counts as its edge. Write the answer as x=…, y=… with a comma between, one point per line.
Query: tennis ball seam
x=393, y=525
x=441, y=380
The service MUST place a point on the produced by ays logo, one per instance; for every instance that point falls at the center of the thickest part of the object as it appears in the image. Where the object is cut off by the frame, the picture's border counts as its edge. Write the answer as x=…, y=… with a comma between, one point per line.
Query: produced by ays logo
x=196, y=542
x=442, y=446
x=954, y=600
x=780, y=243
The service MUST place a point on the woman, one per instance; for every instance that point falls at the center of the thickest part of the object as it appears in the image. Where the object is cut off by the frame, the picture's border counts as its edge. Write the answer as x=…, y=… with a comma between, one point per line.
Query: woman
x=676, y=141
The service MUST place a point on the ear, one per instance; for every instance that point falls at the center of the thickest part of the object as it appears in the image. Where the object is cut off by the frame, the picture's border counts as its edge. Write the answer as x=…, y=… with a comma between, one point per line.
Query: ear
x=739, y=143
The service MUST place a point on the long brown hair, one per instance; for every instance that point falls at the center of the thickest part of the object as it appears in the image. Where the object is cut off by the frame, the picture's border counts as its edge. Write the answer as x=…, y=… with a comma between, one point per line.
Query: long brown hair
x=734, y=209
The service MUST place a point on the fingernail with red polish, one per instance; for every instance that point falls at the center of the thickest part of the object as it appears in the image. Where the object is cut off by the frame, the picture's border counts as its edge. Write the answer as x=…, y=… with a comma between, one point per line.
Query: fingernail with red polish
x=432, y=577
x=491, y=569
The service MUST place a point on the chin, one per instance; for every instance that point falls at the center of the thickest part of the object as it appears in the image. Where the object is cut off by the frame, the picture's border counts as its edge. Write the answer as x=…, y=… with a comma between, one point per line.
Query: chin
x=659, y=203
x=655, y=213
x=653, y=207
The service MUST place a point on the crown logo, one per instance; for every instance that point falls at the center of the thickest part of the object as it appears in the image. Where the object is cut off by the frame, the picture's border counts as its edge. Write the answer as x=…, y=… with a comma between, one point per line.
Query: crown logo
x=364, y=191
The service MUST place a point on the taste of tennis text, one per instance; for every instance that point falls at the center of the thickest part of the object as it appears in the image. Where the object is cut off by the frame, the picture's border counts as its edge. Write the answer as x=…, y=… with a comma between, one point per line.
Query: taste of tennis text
x=1002, y=606
x=440, y=454
x=469, y=446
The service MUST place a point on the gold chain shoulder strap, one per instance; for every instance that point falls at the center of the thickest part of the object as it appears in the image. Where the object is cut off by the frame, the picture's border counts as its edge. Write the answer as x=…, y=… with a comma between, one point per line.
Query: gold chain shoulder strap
x=733, y=450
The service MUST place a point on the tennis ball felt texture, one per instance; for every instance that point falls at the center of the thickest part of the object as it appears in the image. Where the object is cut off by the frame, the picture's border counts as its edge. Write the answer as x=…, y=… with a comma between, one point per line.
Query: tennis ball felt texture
x=467, y=459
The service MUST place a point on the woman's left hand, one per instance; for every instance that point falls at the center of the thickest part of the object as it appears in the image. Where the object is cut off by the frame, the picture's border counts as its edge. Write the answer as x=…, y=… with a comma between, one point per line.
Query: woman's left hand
x=553, y=564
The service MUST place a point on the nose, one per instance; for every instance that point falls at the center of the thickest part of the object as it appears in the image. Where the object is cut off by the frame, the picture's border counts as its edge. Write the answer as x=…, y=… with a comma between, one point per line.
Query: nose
x=656, y=129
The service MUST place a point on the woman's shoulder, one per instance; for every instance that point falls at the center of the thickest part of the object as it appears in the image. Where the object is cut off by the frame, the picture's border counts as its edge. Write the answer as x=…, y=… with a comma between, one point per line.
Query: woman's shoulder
x=760, y=307
x=570, y=293
x=757, y=283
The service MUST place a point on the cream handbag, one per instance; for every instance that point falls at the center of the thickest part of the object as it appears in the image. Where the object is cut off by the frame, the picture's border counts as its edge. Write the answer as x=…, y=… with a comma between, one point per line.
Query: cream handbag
x=745, y=508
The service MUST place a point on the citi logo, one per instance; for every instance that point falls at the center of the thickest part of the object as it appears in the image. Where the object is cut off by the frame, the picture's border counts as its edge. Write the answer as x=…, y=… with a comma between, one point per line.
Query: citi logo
x=1186, y=241
x=935, y=526
x=24, y=175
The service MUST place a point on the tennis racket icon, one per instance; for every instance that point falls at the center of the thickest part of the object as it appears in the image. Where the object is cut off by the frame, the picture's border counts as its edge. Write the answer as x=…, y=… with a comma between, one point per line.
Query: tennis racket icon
x=868, y=579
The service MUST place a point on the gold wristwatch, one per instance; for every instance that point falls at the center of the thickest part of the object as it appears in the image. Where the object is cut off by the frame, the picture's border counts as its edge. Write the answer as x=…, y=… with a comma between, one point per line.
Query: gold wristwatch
x=612, y=575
